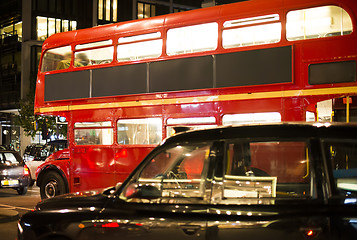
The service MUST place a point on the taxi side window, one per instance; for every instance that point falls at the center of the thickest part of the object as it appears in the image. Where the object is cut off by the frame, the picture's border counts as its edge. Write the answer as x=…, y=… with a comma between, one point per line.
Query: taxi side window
x=177, y=174
x=261, y=172
x=342, y=156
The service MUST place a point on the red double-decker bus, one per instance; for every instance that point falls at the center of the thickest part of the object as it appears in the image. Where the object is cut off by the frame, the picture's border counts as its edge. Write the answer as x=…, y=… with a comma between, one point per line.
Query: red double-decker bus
x=122, y=87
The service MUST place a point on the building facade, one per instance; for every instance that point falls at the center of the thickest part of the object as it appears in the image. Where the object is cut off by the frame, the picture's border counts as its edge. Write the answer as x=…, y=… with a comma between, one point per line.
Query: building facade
x=25, y=24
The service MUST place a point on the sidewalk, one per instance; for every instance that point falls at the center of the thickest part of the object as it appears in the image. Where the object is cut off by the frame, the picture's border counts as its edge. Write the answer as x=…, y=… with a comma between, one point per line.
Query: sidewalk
x=8, y=215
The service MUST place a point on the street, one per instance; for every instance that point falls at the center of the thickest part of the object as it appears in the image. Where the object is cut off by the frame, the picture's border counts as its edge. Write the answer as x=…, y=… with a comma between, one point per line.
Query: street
x=11, y=202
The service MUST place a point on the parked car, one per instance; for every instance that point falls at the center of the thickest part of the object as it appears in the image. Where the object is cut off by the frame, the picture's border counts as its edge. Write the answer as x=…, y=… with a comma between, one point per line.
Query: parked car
x=35, y=154
x=13, y=171
x=275, y=181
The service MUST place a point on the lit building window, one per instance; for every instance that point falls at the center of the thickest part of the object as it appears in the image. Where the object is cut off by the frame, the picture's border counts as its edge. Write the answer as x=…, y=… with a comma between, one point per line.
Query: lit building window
x=100, y=9
x=13, y=29
x=108, y=10
x=145, y=10
x=49, y=26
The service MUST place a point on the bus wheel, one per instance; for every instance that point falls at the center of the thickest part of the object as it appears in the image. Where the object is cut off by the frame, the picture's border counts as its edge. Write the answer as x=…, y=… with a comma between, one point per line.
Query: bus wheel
x=52, y=185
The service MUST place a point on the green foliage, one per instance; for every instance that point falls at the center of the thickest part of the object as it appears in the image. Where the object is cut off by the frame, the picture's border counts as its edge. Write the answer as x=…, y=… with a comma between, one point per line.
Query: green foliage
x=32, y=123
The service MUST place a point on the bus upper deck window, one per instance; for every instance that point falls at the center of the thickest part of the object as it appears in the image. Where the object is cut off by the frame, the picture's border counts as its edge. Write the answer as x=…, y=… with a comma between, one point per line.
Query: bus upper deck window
x=56, y=59
x=238, y=34
x=93, y=53
x=318, y=22
x=139, y=47
x=190, y=39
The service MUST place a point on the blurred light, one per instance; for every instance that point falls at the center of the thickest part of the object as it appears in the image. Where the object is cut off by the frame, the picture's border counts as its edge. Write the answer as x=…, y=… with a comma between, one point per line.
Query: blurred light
x=111, y=225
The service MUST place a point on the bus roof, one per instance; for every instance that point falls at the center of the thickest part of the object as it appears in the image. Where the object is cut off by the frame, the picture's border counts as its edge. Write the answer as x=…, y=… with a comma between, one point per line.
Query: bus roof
x=245, y=8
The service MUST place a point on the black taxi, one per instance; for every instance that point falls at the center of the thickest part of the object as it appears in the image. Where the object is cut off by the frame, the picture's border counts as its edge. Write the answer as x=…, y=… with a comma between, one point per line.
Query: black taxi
x=273, y=181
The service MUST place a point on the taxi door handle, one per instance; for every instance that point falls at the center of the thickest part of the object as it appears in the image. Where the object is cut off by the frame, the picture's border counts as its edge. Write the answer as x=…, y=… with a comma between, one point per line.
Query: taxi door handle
x=190, y=229
x=310, y=232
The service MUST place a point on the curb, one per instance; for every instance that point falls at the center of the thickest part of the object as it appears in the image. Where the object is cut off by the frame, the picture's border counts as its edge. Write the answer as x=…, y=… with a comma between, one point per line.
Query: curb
x=8, y=215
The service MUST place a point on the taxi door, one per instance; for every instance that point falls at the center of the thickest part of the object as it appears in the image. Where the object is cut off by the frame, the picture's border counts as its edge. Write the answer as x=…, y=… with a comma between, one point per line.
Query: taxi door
x=267, y=190
x=166, y=198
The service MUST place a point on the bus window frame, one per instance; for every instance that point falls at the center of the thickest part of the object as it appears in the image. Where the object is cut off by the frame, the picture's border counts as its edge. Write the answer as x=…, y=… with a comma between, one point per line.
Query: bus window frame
x=94, y=127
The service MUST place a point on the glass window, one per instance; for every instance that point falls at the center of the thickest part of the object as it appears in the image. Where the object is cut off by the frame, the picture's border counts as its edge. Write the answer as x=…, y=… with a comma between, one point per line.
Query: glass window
x=260, y=172
x=10, y=159
x=107, y=10
x=93, y=44
x=93, y=56
x=58, y=25
x=65, y=25
x=100, y=9
x=310, y=116
x=41, y=28
x=177, y=174
x=240, y=35
x=139, y=47
x=93, y=133
x=191, y=123
x=18, y=30
x=115, y=11
x=343, y=158
x=49, y=26
x=92, y=124
x=145, y=10
x=317, y=22
x=56, y=59
x=245, y=118
x=193, y=120
x=139, y=131
x=190, y=39
x=11, y=30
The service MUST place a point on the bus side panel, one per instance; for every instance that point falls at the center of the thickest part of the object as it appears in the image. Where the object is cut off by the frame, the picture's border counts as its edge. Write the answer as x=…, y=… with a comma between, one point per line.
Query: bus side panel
x=127, y=159
x=93, y=167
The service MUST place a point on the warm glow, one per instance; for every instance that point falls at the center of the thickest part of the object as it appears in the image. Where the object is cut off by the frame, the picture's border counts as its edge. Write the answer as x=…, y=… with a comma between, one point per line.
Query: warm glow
x=139, y=131
x=93, y=44
x=197, y=38
x=317, y=22
x=253, y=35
x=140, y=50
x=246, y=118
x=49, y=26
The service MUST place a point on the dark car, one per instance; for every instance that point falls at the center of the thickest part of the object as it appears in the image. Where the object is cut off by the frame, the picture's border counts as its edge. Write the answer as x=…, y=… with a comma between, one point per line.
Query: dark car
x=35, y=154
x=279, y=181
x=13, y=172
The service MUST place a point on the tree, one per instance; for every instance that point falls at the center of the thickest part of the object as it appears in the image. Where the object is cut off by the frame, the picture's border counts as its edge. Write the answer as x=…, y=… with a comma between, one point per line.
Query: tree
x=32, y=123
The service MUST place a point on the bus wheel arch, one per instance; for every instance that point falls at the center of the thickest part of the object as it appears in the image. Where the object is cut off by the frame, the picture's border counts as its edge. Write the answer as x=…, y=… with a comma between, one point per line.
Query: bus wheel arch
x=52, y=183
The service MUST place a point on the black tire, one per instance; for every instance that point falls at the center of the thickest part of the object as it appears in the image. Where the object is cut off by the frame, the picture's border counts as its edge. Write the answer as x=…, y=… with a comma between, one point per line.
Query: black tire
x=31, y=182
x=21, y=190
x=52, y=185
